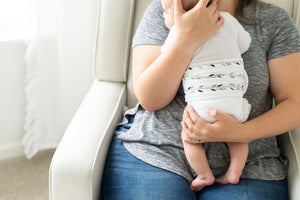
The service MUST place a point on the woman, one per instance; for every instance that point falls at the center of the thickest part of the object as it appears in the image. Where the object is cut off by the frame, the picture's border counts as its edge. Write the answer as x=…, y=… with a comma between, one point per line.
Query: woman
x=146, y=159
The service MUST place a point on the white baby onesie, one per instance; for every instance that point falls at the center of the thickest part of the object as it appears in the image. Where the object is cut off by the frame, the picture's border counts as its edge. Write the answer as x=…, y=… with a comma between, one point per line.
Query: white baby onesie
x=215, y=77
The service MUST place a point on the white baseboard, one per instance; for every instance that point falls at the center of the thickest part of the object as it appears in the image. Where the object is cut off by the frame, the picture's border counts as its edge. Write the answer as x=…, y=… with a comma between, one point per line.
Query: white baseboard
x=11, y=150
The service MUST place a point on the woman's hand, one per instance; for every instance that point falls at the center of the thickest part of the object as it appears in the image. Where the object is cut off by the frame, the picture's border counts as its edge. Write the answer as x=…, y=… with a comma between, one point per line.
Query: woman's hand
x=225, y=129
x=197, y=25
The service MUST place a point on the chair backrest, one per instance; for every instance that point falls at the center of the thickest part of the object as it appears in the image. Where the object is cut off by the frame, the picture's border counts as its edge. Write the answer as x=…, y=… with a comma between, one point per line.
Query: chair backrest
x=117, y=22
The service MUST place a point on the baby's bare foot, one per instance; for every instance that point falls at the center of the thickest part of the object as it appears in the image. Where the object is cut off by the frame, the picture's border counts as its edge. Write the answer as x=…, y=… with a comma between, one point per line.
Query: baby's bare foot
x=200, y=182
x=229, y=178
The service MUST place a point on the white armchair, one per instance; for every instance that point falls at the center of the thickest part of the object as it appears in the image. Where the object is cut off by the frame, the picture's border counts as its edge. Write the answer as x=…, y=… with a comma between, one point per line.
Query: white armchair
x=78, y=162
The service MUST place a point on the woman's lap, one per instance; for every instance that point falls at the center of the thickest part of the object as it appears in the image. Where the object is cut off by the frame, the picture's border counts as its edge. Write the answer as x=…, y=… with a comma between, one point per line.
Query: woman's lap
x=247, y=189
x=126, y=177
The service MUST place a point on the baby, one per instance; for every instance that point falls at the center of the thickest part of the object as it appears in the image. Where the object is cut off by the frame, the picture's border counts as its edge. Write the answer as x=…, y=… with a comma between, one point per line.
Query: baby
x=215, y=78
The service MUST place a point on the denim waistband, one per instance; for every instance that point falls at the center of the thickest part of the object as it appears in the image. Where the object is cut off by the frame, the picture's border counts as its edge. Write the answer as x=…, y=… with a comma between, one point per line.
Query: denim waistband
x=125, y=127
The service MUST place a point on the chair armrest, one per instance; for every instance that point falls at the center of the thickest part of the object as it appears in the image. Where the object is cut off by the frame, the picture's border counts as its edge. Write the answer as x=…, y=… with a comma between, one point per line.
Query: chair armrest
x=290, y=144
x=77, y=165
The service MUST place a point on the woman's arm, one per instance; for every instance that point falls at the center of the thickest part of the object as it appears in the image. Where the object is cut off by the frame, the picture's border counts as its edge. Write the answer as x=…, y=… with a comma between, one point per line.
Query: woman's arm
x=285, y=85
x=156, y=75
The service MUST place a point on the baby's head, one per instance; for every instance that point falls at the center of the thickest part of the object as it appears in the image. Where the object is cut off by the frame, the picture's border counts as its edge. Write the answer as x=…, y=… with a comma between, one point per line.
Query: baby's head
x=169, y=9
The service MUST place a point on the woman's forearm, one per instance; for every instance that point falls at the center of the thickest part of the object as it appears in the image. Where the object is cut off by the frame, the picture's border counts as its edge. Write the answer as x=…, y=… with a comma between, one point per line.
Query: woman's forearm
x=284, y=84
x=156, y=85
x=282, y=118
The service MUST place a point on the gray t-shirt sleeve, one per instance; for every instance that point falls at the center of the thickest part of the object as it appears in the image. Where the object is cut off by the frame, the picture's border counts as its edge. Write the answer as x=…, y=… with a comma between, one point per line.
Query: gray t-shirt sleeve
x=152, y=29
x=285, y=38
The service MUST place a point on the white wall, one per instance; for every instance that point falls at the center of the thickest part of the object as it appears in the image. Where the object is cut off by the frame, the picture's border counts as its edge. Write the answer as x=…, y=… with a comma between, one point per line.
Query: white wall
x=12, y=99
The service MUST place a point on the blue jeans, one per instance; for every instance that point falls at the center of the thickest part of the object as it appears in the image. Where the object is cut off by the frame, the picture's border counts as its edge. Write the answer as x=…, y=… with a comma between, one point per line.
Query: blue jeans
x=128, y=178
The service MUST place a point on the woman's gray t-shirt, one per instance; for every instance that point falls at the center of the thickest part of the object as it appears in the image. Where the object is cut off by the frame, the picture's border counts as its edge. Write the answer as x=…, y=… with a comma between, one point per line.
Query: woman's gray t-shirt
x=155, y=137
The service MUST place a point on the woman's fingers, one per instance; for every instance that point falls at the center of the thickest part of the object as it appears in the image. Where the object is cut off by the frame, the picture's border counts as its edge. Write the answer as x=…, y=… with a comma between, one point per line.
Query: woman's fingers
x=212, y=12
x=212, y=8
x=220, y=22
x=178, y=9
x=187, y=119
x=218, y=115
x=190, y=136
x=186, y=131
x=216, y=16
x=193, y=125
x=197, y=25
x=196, y=119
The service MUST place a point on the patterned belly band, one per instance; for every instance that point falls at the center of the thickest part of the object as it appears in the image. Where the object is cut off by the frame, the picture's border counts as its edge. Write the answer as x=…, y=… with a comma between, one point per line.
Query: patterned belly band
x=215, y=78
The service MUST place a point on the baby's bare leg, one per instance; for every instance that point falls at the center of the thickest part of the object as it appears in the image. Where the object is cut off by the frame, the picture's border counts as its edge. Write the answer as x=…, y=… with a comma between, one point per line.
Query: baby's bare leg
x=238, y=156
x=196, y=157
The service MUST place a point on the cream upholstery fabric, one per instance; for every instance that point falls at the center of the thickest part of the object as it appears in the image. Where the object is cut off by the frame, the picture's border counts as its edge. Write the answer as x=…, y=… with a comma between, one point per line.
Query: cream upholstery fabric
x=114, y=33
x=77, y=165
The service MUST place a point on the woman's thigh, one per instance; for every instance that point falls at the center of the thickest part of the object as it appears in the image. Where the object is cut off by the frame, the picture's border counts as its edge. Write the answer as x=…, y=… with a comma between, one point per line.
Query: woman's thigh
x=247, y=189
x=126, y=177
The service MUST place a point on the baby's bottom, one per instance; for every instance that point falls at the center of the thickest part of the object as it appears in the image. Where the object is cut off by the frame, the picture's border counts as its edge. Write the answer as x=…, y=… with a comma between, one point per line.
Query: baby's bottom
x=235, y=106
x=196, y=157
